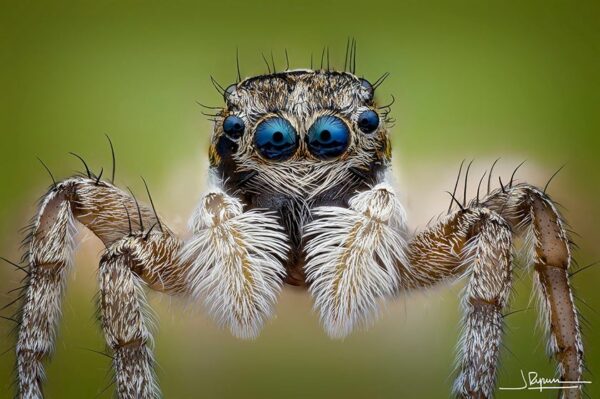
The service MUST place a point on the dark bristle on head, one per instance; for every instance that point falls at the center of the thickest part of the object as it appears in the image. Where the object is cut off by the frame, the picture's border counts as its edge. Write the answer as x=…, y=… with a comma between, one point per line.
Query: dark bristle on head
x=273, y=63
x=287, y=60
x=266, y=63
x=346, y=56
x=114, y=162
x=325, y=65
x=237, y=63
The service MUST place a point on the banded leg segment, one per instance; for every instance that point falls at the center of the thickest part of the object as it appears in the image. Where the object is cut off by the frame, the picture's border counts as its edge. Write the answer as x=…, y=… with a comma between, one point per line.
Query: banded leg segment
x=124, y=318
x=111, y=214
x=51, y=248
x=532, y=213
x=476, y=243
x=446, y=252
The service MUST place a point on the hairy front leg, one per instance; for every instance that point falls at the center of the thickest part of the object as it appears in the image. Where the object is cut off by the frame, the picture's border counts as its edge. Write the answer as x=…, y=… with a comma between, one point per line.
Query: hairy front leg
x=477, y=244
x=113, y=216
x=533, y=214
x=127, y=267
x=455, y=247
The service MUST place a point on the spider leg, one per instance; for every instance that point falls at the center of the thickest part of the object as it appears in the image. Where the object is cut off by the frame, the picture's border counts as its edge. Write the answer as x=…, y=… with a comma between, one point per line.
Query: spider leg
x=234, y=260
x=49, y=260
x=124, y=314
x=476, y=242
x=532, y=213
x=140, y=259
x=104, y=209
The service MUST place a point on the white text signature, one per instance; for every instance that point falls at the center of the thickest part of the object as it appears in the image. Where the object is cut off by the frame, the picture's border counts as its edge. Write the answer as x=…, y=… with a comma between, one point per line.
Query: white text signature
x=534, y=382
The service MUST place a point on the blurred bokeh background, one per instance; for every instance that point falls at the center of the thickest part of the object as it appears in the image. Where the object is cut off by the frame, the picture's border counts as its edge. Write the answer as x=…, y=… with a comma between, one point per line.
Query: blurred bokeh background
x=475, y=80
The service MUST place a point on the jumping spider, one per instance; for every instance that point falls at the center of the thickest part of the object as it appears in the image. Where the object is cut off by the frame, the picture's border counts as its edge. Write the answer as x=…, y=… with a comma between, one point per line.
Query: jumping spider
x=299, y=193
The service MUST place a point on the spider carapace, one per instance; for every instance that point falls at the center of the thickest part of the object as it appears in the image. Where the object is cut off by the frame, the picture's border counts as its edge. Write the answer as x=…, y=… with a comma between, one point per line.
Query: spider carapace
x=299, y=192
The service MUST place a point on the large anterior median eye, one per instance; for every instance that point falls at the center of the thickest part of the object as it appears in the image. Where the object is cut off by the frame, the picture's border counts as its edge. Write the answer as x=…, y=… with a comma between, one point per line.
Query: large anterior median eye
x=276, y=139
x=328, y=137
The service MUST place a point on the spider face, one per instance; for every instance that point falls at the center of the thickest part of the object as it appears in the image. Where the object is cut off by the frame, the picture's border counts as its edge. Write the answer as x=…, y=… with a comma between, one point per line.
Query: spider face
x=299, y=132
x=294, y=140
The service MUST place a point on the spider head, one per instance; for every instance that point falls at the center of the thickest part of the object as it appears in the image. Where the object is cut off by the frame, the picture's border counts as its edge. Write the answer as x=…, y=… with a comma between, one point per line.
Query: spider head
x=299, y=133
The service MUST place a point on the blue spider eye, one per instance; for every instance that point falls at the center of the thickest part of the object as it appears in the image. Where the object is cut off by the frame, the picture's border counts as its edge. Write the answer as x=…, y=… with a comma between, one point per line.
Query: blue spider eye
x=233, y=126
x=365, y=84
x=328, y=137
x=368, y=121
x=276, y=139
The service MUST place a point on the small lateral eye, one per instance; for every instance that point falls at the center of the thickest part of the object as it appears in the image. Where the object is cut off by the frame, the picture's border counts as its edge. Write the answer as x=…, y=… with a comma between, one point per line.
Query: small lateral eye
x=233, y=126
x=230, y=90
x=365, y=84
x=368, y=121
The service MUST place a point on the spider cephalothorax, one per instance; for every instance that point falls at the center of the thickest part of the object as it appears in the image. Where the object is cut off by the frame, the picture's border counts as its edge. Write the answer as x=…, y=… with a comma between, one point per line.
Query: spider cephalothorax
x=301, y=132
x=299, y=193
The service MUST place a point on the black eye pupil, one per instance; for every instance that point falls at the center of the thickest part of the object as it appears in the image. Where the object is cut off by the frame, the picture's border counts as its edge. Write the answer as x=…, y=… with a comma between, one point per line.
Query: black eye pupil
x=278, y=137
x=325, y=135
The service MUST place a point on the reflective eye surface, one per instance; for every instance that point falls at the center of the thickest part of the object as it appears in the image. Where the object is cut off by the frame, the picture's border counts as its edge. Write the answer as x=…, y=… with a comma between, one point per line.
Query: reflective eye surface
x=368, y=87
x=276, y=139
x=233, y=126
x=368, y=121
x=328, y=137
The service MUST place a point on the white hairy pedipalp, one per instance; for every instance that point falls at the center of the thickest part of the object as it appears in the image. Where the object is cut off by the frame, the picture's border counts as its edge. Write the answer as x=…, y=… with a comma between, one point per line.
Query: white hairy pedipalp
x=236, y=262
x=352, y=258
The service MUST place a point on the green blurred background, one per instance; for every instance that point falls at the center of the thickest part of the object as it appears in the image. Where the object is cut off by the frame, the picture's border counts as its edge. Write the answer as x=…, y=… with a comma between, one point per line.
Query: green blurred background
x=472, y=80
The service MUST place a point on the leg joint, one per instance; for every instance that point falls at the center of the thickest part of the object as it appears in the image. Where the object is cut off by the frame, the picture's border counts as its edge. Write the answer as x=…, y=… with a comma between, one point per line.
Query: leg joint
x=478, y=219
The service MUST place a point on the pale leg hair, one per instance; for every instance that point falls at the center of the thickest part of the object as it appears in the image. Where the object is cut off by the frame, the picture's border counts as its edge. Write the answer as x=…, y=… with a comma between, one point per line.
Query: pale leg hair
x=530, y=211
x=125, y=326
x=476, y=243
x=50, y=258
x=446, y=251
x=141, y=252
